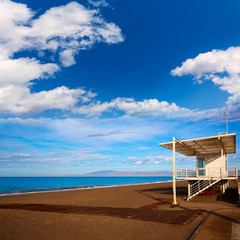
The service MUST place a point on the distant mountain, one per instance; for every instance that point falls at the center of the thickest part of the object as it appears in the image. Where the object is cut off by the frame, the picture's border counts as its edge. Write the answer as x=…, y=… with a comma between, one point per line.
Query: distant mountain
x=111, y=173
x=101, y=172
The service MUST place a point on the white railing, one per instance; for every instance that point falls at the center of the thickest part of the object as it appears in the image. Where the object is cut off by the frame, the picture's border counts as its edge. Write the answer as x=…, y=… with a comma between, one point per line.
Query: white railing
x=232, y=172
x=200, y=186
x=185, y=173
x=224, y=172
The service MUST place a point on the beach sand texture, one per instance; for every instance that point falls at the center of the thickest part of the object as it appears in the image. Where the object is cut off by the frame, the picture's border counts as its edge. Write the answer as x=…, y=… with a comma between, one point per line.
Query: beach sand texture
x=127, y=212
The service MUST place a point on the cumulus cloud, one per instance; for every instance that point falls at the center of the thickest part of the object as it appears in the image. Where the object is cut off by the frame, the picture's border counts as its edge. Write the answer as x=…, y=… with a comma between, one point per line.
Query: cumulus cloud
x=19, y=72
x=60, y=32
x=67, y=58
x=149, y=107
x=66, y=27
x=220, y=66
x=20, y=100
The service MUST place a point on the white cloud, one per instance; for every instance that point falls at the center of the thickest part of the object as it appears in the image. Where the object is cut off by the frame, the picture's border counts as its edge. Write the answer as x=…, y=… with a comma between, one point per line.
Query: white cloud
x=221, y=67
x=19, y=72
x=98, y=3
x=148, y=160
x=62, y=31
x=67, y=58
x=149, y=107
x=67, y=27
x=152, y=160
x=53, y=158
x=27, y=121
x=15, y=99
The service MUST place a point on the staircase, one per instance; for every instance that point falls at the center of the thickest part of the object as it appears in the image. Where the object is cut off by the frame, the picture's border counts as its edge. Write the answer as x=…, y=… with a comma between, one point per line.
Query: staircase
x=199, y=186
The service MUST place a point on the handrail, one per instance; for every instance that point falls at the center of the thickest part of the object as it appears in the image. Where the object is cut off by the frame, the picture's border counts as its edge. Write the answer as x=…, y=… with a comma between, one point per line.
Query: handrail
x=200, y=186
x=222, y=172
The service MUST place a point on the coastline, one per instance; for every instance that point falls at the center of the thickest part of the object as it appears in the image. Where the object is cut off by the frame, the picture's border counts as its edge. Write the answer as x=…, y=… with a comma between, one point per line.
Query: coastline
x=77, y=188
x=142, y=211
x=32, y=191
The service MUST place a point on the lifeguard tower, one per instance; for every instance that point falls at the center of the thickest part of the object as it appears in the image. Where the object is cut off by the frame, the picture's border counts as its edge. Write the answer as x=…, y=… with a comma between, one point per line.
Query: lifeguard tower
x=211, y=162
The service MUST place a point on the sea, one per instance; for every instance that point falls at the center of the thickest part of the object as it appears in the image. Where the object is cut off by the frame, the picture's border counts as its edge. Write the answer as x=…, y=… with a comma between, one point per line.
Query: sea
x=26, y=185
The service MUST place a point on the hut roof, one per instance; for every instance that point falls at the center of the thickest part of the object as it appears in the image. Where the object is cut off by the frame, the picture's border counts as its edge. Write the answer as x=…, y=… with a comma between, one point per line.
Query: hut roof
x=206, y=145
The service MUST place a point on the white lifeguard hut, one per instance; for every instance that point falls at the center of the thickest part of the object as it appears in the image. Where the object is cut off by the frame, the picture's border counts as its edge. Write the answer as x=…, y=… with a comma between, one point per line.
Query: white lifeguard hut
x=211, y=162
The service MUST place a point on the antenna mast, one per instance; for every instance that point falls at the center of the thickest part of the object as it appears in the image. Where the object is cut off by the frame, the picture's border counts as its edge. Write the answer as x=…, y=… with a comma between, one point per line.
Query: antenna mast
x=227, y=122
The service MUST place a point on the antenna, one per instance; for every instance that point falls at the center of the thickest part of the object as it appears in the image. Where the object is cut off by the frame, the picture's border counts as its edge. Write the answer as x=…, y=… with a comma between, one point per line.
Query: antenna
x=227, y=122
x=223, y=133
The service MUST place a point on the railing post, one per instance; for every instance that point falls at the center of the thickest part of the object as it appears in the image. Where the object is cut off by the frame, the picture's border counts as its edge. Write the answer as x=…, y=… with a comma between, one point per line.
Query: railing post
x=186, y=172
x=236, y=173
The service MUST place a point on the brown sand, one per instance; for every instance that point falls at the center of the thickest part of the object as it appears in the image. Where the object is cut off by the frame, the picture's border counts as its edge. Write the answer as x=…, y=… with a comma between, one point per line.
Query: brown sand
x=130, y=212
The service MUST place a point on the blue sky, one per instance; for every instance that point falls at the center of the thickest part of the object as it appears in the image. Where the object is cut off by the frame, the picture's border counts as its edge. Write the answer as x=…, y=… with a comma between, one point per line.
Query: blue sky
x=96, y=85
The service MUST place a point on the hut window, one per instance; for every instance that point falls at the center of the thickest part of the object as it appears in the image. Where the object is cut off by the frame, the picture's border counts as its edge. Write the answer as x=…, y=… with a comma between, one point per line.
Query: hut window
x=201, y=166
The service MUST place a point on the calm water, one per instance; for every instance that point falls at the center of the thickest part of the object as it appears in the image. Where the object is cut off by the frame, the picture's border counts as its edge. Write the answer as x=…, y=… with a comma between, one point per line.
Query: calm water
x=19, y=185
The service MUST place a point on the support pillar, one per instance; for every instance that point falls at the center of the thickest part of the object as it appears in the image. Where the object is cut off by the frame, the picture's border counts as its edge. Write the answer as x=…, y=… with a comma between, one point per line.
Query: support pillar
x=223, y=187
x=174, y=174
x=189, y=191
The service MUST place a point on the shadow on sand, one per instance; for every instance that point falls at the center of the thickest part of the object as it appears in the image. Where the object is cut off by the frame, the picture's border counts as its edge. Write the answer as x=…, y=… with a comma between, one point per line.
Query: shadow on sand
x=181, y=216
x=230, y=196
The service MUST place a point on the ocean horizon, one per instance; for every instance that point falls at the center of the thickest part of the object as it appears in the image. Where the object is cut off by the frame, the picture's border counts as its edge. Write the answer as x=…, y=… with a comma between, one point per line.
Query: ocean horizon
x=25, y=185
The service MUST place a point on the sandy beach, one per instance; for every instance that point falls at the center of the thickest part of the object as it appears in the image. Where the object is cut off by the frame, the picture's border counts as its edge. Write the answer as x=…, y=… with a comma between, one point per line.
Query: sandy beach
x=127, y=212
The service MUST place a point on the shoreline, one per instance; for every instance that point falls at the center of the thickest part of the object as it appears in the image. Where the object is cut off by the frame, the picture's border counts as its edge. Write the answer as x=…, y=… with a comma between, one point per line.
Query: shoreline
x=76, y=188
